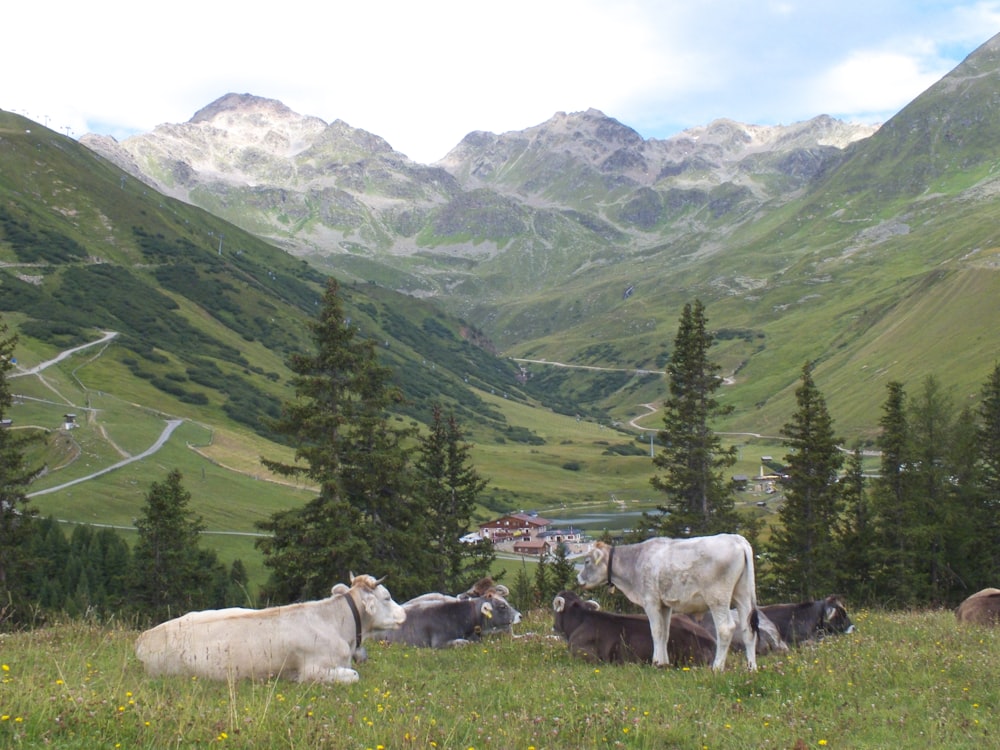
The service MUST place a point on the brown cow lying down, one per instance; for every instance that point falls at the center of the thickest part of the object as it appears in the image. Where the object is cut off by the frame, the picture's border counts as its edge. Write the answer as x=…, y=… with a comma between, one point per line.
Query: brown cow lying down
x=307, y=642
x=810, y=620
x=768, y=638
x=982, y=608
x=600, y=636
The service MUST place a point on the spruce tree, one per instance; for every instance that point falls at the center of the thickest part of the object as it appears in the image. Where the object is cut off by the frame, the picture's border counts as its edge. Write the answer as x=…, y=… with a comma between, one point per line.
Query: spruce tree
x=988, y=453
x=802, y=546
x=563, y=571
x=363, y=519
x=854, y=536
x=935, y=496
x=16, y=513
x=448, y=487
x=699, y=497
x=896, y=576
x=969, y=552
x=543, y=593
x=168, y=574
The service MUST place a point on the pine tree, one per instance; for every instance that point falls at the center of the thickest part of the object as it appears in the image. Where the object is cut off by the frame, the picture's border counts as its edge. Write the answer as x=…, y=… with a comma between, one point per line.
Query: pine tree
x=988, y=453
x=802, y=546
x=699, y=497
x=563, y=571
x=364, y=518
x=543, y=593
x=854, y=536
x=968, y=553
x=936, y=514
x=892, y=506
x=522, y=592
x=168, y=575
x=16, y=513
x=449, y=487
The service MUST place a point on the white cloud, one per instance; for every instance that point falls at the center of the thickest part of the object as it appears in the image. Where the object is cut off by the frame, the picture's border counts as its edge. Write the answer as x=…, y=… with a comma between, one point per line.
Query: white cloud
x=423, y=75
x=872, y=82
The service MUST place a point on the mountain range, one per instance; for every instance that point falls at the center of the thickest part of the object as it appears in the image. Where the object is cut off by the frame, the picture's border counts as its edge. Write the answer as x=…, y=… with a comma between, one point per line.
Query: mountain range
x=869, y=251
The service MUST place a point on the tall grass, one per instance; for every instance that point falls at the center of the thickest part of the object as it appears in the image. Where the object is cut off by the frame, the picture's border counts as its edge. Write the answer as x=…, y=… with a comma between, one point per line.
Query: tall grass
x=903, y=680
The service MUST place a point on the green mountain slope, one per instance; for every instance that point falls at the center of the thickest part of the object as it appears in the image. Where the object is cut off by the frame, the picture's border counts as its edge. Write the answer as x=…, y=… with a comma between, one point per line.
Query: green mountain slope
x=205, y=315
x=577, y=241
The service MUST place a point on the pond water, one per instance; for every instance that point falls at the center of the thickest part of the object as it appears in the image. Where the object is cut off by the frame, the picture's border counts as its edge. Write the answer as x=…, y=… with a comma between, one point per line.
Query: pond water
x=597, y=520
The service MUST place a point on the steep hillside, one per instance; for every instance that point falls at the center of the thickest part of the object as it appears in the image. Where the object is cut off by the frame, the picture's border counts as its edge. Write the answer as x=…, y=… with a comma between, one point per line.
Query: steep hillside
x=206, y=313
x=548, y=201
x=578, y=241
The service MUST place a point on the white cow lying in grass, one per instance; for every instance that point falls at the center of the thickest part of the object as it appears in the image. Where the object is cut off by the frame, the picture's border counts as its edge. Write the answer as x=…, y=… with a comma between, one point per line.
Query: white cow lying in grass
x=307, y=642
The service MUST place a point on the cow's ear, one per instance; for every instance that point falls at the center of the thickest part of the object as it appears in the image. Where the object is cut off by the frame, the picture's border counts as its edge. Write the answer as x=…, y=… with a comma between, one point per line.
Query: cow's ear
x=487, y=609
x=371, y=603
x=558, y=604
x=591, y=604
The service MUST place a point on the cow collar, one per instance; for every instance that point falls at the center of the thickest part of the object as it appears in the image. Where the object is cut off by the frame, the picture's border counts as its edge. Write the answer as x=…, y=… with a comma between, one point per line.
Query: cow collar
x=357, y=618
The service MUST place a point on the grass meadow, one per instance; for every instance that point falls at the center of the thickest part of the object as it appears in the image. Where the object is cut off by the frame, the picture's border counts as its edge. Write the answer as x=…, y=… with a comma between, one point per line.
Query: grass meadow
x=912, y=679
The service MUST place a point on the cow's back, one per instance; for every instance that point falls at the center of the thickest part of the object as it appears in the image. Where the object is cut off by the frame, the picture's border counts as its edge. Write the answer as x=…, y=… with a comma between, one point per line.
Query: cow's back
x=235, y=643
x=219, y=644
x=436, y=623
x=981, y=608
x=694, y=574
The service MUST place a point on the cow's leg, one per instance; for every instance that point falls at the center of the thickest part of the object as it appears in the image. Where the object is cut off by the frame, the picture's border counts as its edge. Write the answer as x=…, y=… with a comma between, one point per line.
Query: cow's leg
x=659, y=626
x=327, y=674
x=724, y=628
x=744, y=611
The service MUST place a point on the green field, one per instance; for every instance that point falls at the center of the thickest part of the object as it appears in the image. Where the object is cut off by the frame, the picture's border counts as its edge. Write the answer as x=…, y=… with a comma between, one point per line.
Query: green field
x=906, y=679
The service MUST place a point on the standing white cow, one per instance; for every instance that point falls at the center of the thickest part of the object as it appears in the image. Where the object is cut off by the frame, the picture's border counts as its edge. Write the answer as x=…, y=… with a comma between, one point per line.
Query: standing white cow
x=306, y=642
x=711, y=573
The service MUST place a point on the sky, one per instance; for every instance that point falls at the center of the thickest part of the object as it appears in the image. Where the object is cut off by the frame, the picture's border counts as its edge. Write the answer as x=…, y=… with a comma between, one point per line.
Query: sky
x=422, y=75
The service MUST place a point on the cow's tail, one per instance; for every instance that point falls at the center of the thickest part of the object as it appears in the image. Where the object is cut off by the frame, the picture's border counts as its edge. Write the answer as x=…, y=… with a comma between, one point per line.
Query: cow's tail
x=749, y=571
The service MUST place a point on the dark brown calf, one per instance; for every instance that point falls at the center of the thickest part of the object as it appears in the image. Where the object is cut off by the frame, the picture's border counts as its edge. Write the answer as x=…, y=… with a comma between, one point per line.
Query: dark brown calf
x=807, y=621
x=600, y=636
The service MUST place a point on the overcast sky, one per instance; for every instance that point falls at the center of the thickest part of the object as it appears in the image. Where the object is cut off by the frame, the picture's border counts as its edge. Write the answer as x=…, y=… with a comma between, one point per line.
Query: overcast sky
x=424, y=74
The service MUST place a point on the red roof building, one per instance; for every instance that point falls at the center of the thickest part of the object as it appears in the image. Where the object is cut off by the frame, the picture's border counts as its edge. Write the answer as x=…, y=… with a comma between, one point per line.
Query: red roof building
x=514, y=526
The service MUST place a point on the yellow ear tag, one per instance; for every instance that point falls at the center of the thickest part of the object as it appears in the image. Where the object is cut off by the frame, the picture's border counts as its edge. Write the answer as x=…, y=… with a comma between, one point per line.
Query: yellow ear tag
x=489, y=615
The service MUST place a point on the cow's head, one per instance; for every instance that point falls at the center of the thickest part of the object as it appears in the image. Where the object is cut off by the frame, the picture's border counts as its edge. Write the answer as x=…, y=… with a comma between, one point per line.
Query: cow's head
x=835, y=619
x=563, y=602
x=374, y=599
x=502, y=615
x=595, y=566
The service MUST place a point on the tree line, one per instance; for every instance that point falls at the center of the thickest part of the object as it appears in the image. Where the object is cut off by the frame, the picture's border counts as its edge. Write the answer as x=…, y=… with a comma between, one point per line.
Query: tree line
x=391, y=499
x=925, y=530
x=395, y=499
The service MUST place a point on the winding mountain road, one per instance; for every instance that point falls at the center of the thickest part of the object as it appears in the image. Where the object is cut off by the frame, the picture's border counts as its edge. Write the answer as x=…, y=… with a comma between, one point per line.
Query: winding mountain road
x=168, y=430
x=172, y=424
x=108, y=335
